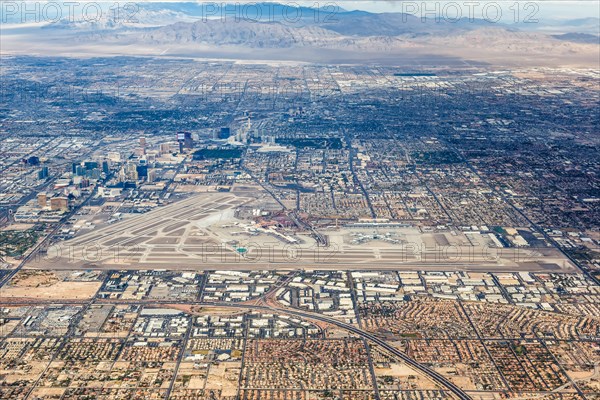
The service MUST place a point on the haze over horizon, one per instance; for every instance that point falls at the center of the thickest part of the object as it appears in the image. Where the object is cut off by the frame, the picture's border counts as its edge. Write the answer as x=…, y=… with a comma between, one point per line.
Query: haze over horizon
x=311, y=200
x=325, y=34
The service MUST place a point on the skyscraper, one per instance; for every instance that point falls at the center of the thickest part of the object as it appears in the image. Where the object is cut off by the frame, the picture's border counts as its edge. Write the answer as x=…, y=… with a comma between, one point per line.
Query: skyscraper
x=43, y=173
x=151, y=175
x=185, y=140
x=59, y=203
x=165, y=148
x=225, y=133
x=180, y=140
x=188, y=141
x=131, y=173
x=42, y=198
x=142, y=171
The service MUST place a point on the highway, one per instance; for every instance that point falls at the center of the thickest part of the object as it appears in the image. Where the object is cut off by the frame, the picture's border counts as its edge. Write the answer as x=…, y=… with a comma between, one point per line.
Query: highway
x=321, y=239
x=435, y=376
x=538, y=228
x=34, y=252
x=351, y=155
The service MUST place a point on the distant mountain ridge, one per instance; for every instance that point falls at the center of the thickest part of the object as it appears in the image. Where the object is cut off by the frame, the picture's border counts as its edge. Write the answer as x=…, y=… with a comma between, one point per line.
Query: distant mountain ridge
x=194, y=29
x=578, y=38
x=243, y=33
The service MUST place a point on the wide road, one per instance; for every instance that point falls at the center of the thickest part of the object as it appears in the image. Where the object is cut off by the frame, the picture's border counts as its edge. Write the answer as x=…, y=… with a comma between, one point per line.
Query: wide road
x=522, y=213
x=435, y=376
x=33, y=253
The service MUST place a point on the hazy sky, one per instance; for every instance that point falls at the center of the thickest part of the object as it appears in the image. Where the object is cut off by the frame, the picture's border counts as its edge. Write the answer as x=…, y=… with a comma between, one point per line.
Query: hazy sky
x=504, y=10
x=555, y=8
x=563, y=9
x=546, y=9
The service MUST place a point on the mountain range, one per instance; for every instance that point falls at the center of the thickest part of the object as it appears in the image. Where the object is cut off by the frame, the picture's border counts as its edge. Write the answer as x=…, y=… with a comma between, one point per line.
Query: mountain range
x=274, y=31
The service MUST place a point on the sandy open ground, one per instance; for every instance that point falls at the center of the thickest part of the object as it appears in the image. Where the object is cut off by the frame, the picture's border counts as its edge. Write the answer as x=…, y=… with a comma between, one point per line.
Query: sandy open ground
x=56, y=291
x=403, y=372
x=224, y=376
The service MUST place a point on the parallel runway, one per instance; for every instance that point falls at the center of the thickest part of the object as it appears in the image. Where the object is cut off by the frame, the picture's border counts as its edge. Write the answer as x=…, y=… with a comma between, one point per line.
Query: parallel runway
x=186, y=236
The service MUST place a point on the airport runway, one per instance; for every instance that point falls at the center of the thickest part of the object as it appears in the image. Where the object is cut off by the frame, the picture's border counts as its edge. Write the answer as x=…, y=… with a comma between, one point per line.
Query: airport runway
x=189, y=235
